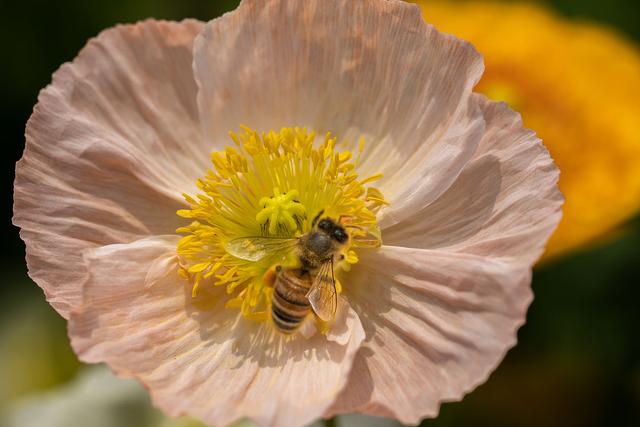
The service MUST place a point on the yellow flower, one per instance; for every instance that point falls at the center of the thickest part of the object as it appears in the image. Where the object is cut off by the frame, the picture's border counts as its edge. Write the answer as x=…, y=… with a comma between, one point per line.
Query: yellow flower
x=577, y=85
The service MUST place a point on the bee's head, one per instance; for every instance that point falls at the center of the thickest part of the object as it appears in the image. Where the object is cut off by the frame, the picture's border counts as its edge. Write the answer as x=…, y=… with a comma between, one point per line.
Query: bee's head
x=326, y=237
x=334, y=230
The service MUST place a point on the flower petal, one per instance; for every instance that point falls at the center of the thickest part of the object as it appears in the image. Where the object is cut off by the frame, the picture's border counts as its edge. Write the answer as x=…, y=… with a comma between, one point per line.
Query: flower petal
x=505, y=203
x=355, y=68
x=195, y=356
x=437, y=324
x=110, y=146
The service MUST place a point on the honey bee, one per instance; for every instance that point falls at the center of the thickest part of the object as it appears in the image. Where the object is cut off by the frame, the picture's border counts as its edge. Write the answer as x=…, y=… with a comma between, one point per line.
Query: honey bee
x=311, y=285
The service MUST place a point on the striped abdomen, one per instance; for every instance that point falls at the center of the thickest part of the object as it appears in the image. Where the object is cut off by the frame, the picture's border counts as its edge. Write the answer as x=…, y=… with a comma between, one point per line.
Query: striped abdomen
x=290, y=305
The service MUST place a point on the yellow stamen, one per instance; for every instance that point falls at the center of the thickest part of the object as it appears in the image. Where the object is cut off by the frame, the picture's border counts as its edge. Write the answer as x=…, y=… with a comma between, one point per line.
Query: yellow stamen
x=271, y=184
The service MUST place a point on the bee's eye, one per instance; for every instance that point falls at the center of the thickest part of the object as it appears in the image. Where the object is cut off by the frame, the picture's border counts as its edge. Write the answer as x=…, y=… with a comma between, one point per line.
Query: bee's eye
x=340, y=235
x=325, y=225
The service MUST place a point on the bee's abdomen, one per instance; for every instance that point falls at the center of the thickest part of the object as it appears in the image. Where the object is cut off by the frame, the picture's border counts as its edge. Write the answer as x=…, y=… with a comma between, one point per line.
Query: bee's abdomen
x=290, y=305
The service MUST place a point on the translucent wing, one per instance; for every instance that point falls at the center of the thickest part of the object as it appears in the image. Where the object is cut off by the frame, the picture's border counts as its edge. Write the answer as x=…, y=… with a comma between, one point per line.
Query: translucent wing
x=258, y=247
x=322, y=295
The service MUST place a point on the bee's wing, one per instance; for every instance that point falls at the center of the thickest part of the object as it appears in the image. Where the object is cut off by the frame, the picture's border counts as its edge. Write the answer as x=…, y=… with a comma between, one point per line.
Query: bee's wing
x=258, y=247
x=322, y=295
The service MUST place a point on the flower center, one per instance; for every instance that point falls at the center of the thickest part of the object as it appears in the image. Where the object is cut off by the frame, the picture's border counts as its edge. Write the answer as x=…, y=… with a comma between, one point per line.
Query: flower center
x=272, y=186
x=281, y=213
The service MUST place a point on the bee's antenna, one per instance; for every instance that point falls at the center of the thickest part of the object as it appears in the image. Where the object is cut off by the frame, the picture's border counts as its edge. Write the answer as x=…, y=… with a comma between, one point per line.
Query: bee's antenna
x=317, y=217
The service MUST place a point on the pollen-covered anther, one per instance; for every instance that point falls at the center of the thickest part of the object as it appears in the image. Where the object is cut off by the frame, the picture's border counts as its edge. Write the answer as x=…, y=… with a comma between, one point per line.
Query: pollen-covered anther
x=281, y=212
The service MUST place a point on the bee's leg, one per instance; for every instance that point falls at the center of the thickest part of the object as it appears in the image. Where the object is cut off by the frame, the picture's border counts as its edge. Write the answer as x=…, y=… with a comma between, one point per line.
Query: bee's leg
x=270, y=276
x=317, y=217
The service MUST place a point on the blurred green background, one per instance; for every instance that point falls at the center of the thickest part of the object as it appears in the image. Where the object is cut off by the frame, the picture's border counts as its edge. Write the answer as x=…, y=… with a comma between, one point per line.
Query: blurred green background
x=578, y=359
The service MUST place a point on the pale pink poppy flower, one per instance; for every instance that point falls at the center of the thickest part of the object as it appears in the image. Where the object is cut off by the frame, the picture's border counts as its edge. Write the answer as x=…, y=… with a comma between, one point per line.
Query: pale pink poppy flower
x=436, y=276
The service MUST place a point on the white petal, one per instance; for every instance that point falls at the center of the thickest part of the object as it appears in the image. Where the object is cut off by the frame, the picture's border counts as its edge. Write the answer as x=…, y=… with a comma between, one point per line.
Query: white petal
x=354, y=68
x=197, y=357
x=111, y=144
x=437, y=324
x=505, y=203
